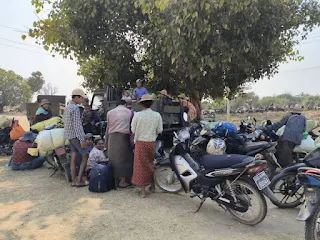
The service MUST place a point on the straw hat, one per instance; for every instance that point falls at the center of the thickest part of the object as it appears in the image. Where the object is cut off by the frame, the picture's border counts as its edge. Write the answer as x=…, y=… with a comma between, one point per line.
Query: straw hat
x=165, y=93
x=182, y=95
x=146, y=97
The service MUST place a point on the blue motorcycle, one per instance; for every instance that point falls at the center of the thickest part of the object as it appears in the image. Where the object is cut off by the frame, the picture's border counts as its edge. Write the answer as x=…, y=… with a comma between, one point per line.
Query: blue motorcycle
x=309, y=178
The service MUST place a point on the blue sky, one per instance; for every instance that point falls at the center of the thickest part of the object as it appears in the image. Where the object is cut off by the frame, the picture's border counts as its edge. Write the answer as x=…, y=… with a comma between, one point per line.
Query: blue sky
x=294, y=77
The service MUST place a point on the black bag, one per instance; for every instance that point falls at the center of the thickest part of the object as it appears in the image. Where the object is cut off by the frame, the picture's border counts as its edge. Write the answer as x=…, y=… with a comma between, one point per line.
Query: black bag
x=101, y=178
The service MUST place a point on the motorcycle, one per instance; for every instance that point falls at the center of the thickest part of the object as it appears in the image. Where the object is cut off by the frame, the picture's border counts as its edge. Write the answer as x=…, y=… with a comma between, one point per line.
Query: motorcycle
x=236, y=182
x=239, y=144
x=284, y=184
x=310, y=210
x=59, y=161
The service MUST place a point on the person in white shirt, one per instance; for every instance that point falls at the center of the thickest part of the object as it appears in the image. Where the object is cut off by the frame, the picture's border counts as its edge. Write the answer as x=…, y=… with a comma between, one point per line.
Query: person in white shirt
x=96, y=155
x=146, y=125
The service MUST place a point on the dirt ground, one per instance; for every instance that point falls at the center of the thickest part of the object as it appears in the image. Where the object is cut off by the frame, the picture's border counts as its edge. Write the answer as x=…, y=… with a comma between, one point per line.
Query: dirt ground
x=35, y=206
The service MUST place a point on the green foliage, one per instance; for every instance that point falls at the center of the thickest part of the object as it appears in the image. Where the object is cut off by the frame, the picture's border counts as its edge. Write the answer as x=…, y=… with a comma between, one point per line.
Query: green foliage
x=14, y=89
x=36, y=81
x=197, y=47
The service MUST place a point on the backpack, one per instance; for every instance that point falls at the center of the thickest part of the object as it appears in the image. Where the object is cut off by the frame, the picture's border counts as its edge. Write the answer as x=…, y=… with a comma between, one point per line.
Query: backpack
x=101, y=178
x=224, y=129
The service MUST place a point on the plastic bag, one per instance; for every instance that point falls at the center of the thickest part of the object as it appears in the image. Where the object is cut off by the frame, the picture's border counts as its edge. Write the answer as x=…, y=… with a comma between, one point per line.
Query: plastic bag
x=281, y=131
x=307, y=145
x=17, y=131
x=49, y=140
x=4, y=122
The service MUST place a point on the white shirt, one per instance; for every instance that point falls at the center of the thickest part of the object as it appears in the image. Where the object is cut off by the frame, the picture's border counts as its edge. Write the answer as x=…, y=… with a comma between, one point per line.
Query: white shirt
x=146, y=125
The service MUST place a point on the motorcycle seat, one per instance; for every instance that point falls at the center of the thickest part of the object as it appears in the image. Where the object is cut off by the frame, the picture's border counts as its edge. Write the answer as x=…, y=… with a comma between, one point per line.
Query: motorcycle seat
x=252, y=146
x=225, y=161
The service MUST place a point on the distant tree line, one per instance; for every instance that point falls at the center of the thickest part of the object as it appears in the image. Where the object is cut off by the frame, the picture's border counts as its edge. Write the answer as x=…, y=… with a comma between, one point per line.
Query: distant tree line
x=251, y=101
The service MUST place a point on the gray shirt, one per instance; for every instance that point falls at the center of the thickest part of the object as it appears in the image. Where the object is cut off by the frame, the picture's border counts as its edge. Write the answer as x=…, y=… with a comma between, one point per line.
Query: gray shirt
x=295, y=126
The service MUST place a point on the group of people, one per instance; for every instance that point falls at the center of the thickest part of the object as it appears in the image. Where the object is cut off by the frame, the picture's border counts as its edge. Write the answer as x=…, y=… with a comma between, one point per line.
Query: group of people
x=130, y=165
x=129, y=144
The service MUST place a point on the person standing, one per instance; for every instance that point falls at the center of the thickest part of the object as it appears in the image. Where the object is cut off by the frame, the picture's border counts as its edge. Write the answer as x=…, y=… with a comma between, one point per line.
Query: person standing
x=189, y=107
x=146, y=125
x=119, y=151
x=87, y=117
x=43, y=112
x=139, y=90
x=295, y=125
x=73, y=131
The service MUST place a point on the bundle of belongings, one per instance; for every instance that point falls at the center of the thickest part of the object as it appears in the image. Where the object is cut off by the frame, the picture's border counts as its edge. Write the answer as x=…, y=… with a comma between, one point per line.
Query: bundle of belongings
x=56, y=122
x=49, y=140
x=10, y=131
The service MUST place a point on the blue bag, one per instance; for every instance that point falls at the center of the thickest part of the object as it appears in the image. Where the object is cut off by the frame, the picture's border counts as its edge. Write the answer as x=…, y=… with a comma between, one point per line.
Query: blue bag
x=101, y=178
x=225, y=129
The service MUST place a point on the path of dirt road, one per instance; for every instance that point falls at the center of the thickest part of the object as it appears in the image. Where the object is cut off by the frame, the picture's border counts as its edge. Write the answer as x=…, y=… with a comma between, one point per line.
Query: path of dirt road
x=34, y=206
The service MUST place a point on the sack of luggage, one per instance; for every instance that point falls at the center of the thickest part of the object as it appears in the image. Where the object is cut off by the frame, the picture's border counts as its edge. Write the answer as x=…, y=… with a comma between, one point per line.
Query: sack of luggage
x=101, y=178
x=225, y=129
x=17, y=131
x=49, y=140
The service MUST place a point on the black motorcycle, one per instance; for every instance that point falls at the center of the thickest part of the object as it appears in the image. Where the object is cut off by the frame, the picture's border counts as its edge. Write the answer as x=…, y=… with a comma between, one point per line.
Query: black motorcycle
x=236, y=182
x=284, y=185
x=59, y=160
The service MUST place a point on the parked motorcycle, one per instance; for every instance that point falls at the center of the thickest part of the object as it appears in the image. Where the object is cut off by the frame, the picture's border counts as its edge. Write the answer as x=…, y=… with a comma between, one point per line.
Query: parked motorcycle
x=309, y=178
x=284, y=185
x=236, y=182
x=59, y=160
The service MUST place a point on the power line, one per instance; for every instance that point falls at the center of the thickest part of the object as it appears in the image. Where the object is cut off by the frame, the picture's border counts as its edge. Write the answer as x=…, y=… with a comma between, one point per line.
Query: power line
x=16, y=29
x=5, y=39
x=22, y=49
x=303, y=69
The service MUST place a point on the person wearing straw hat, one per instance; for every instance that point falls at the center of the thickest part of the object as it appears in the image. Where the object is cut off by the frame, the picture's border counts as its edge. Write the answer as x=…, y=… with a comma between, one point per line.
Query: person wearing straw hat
x=189, y=107
x=21, y=159
x=146, y=126
x=43, y=112
x=73, y=131
x=165, y=98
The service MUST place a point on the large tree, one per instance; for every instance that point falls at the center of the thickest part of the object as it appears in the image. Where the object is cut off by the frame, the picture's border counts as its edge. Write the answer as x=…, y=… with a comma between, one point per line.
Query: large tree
x=14, y=89
x=197, y=47
x=36, y=81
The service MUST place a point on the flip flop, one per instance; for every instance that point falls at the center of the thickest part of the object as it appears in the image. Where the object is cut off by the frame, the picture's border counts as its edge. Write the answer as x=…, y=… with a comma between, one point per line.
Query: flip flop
x=82, y=185
x=73, y=185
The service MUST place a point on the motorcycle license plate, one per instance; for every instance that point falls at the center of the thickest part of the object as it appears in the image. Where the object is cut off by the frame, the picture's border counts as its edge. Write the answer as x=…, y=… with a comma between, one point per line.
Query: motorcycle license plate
x=261, y=179
x=60, y=151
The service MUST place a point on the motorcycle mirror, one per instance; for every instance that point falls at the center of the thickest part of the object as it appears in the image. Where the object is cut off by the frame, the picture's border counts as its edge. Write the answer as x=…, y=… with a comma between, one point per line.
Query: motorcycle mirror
x=185, y=116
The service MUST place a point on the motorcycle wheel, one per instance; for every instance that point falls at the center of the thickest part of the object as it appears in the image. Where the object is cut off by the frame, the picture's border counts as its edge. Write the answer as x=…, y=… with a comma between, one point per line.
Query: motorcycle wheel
x=166, y=179
x=65, y=166
x=312, y=226
x=284, y=187
x=249, y=192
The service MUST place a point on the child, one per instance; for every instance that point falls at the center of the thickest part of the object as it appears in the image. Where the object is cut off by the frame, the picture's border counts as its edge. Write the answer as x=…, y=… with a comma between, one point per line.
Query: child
x=126, y=95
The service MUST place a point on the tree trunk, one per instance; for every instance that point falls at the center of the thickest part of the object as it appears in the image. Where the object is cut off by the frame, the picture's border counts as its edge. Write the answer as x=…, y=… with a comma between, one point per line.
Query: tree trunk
x=196, y=101
x=1, y=108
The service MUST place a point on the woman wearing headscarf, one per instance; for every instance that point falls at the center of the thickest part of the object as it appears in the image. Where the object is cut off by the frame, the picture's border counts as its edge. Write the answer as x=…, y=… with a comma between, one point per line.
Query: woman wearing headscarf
x=146, y=125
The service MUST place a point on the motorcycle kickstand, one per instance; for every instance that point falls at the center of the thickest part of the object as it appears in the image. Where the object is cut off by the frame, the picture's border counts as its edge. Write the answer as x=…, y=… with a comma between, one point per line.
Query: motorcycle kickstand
x=54, y=172
x=202, y=202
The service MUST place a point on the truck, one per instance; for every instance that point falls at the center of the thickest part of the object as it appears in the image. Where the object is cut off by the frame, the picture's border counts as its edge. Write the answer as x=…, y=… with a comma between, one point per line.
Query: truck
x=172, y=115
x=57, y=106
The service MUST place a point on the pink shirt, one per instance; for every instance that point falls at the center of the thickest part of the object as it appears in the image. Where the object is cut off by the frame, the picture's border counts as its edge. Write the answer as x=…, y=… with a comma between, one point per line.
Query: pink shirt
x=119, y=120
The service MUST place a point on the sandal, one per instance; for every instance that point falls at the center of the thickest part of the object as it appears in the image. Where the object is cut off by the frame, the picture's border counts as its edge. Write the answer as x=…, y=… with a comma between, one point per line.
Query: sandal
x=125, y=185
x=82, y=185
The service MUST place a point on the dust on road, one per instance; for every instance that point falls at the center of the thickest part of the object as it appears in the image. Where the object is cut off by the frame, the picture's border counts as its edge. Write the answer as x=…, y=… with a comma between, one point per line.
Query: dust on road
x=34, y=206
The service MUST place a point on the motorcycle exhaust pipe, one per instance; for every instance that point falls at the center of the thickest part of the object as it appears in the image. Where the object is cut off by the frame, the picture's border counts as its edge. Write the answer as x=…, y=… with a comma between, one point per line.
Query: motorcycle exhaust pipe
x=267, y=192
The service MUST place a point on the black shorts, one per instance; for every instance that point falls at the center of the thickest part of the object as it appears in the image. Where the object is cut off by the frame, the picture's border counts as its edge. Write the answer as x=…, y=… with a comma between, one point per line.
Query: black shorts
x=75, y=147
